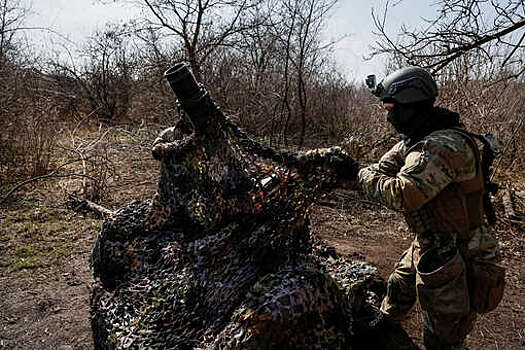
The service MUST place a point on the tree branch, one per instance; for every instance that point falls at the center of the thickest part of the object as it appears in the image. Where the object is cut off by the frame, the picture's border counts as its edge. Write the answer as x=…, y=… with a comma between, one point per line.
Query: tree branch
x=52, y=174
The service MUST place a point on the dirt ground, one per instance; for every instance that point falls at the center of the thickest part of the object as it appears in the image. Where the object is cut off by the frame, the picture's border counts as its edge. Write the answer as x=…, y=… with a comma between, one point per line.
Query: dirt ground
x=45, y=247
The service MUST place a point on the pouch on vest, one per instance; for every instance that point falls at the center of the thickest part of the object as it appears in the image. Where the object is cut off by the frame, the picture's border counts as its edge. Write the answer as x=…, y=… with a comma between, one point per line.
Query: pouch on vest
x=442, y=284
x=486, y=277
x=486, y=285
x=442, y=290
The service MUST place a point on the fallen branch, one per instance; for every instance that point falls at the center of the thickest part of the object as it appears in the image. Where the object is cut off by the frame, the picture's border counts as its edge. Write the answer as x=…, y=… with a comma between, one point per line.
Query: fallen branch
x=41, y=177
x=329, y=204
x=517, y=222
x=349, y=198
x=507, y=204
x=84, y=204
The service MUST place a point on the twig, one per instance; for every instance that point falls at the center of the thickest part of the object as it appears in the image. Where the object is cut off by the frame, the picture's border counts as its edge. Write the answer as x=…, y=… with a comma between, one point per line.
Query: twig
x=378, y=143
x=329, y=204
x=507, y=145
x=6, y=30
x=347, y=197
x=83, y=119
x=507, y=204
x=52, y=174
x=92, y=206
x=517, y=222
x=457, y=52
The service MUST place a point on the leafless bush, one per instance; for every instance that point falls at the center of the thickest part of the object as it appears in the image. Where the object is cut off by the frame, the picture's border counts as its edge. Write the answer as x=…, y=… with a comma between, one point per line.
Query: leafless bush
x=266, y=66
x=102, y=79
x=262, y=60
x=201, y=26
x=28, y=124
x=153, y=102
x=85, y=153
x=34, y=127
x=497, y=108
x=12, y=16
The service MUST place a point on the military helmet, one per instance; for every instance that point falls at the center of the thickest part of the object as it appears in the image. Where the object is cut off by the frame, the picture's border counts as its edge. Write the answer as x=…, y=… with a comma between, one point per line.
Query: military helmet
x=407, y=85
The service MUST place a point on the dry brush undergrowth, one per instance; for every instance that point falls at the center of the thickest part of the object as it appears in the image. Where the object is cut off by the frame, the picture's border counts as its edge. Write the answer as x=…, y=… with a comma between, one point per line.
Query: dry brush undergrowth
x=55, y=153
x=81, y=130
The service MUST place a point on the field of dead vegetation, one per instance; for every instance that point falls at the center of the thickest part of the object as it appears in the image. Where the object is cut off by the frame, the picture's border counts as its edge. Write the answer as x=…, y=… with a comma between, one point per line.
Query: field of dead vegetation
x=46, y=240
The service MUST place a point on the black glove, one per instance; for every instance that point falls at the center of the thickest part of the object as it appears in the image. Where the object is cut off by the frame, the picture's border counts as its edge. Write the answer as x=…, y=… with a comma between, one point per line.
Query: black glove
x=343, y=165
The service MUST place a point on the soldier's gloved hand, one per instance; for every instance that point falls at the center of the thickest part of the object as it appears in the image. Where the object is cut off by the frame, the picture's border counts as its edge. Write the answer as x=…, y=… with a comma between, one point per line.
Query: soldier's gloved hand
x=343, y=165
x=166, y=136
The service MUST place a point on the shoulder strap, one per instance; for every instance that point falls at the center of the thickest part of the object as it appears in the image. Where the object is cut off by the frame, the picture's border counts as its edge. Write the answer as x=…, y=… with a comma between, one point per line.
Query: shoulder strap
x=491, y=150
x=470, y=139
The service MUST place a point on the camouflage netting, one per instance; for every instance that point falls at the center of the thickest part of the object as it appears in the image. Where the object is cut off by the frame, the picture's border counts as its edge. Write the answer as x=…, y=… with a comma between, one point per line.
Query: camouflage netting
x=221, y=257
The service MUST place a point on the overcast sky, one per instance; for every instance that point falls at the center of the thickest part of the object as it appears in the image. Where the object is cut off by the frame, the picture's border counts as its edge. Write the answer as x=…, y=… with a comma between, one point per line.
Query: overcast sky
x=77, y=19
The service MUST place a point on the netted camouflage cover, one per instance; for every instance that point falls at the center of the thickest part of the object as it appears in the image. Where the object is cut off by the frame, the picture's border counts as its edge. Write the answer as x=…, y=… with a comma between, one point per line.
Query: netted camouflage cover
x=221, y=257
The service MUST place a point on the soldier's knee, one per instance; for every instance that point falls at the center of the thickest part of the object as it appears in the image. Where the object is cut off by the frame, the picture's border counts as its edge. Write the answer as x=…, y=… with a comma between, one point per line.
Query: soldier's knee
x=399, y=287
x=400, y=297
x=395, y=282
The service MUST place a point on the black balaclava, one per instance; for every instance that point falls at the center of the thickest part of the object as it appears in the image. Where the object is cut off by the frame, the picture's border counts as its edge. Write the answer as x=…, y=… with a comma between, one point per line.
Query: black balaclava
x=405, y=118
x=416, y=120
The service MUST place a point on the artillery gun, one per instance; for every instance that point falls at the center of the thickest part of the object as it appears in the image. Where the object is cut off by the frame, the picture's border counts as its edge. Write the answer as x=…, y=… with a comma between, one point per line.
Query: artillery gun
x=222, y=257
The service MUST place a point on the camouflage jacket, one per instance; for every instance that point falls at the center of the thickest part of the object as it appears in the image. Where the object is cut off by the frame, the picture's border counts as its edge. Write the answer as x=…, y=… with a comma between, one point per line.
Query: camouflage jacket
x=407, y=178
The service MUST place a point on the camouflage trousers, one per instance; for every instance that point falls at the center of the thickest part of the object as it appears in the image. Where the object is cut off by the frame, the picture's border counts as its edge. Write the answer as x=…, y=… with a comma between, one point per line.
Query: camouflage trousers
x=434, y=273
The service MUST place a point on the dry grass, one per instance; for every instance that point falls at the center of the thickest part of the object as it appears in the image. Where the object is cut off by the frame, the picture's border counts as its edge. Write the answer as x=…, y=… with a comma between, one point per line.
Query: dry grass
x=44, y=265
x=56, y=147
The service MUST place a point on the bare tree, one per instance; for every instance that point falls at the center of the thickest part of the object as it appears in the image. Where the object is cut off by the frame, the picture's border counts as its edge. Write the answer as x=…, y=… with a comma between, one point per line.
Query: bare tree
x=202, y=26
x=102, y=74
x=303, y=57
x=12, y=16
x=280, y=61
x=491, y=32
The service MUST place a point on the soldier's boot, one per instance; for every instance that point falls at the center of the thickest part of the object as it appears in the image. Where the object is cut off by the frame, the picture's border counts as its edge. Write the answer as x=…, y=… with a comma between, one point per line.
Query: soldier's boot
x=370, y=319
x=375, y=330
x=378, y=320
x=432, y=342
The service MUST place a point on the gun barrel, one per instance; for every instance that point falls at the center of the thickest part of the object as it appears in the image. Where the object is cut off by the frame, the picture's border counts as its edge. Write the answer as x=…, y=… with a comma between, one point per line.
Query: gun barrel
x=191, y=95
x=183, y=82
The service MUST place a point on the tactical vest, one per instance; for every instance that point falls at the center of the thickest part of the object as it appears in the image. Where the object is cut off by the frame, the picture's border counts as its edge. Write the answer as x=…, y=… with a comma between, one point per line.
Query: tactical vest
x=456, y=209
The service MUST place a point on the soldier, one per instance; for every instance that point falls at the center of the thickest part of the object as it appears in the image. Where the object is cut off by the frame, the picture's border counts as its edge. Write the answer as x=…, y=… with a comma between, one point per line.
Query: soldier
x=434, y=177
